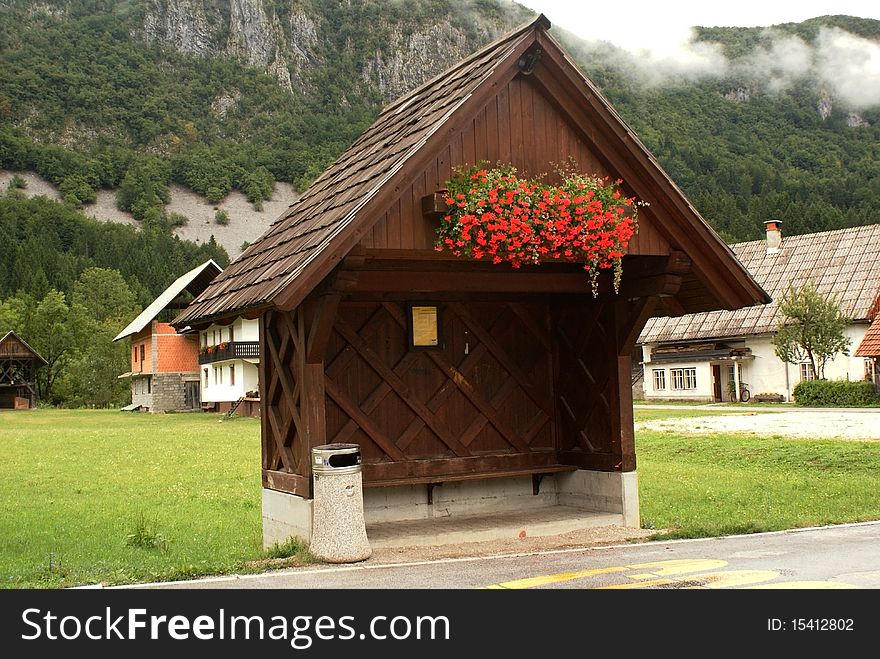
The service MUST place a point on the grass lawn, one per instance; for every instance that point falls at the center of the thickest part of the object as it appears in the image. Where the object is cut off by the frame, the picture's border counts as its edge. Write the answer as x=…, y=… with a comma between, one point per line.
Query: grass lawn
x=91, y=496
x=642, y=414
x=717, y=484
x=106, y=496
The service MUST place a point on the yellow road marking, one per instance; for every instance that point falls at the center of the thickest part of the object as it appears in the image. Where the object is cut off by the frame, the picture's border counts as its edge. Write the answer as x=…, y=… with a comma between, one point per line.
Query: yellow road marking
x=680, y=566
x=726, y=579
x=734, y=578
x=532, y=582
x=658, y=569
x=684, y=573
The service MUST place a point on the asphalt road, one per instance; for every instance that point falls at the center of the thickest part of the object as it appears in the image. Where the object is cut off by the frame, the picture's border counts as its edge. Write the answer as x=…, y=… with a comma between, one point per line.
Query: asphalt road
x=846, y=556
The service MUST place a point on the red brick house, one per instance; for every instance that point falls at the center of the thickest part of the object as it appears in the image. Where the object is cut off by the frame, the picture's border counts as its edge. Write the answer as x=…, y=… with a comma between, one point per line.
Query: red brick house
x=164, y=371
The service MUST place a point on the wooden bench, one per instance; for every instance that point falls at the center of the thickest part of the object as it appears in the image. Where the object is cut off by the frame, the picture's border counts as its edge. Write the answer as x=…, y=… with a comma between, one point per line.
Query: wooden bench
x=537, y=474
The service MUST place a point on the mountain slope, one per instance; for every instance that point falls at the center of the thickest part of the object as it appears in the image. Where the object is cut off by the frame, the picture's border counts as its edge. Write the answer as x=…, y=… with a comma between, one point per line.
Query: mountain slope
x=218, y=96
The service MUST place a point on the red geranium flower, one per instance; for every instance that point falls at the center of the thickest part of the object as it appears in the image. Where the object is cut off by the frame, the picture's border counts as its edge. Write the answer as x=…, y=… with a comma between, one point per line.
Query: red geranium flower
x=495, y=214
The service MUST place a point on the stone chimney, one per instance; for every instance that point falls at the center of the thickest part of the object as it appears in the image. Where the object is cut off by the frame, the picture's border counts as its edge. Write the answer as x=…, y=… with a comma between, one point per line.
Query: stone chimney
x=774, y=235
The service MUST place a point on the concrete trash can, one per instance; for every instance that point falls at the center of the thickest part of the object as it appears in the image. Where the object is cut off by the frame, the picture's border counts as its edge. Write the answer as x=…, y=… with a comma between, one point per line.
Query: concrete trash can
x=339, y=533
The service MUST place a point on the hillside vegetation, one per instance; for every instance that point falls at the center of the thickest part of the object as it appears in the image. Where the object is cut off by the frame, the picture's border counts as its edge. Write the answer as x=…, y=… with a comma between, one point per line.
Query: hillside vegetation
x=90, y=98
x=134, y=95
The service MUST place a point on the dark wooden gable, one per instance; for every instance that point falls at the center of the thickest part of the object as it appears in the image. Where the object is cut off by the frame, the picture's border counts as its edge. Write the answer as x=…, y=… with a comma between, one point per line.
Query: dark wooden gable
x=484, y=107
x=14, y=347
x=519, y=125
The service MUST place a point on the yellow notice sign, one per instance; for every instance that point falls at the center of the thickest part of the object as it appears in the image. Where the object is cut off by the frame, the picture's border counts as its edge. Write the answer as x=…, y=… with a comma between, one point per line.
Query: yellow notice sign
x=424, y=326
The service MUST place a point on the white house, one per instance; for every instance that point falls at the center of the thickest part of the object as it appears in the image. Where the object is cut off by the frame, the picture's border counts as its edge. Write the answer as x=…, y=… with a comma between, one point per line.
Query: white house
x=714, y=356
x=229, y=358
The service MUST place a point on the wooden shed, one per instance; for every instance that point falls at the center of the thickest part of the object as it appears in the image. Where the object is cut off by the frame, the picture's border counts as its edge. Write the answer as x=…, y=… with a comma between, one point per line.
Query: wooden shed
x=18, y=373
x=526, y=396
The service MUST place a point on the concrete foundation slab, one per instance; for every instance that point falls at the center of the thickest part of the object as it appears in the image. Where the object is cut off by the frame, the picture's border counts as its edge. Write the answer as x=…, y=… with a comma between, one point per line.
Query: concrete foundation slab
x=488, y=509
x=284, y=516
x=551, y=520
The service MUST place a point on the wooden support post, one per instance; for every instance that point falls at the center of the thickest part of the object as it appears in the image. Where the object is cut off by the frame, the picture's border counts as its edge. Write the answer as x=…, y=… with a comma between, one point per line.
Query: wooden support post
x=627, y=430
x=265, y=441
x=323, y=315
x=629, y=318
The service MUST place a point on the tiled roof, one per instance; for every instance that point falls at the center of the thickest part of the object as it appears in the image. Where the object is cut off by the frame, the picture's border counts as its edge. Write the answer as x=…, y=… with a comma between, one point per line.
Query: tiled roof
x=844, y=262
x=333, y=201
x=870, y=345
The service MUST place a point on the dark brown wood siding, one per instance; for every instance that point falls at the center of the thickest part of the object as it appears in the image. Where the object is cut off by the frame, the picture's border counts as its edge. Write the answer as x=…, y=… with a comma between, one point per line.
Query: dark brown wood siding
x=516, y=385
x=518, y=120
x=487, y=392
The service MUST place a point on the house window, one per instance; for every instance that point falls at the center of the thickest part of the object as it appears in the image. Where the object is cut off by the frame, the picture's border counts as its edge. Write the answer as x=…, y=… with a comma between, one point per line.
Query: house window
x=807, y=372
x=149, y=385
x=659, y=378
x=231, y=336
x=206, y=374
x=142, y=352
x=232, y=375
x=684, y=378
x=134, y=354
x=869, y=370
x=218, y=375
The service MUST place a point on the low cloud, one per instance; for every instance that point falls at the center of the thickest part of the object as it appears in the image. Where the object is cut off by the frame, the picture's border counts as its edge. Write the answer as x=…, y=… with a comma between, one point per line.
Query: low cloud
x=843, y=63
x=849, y=66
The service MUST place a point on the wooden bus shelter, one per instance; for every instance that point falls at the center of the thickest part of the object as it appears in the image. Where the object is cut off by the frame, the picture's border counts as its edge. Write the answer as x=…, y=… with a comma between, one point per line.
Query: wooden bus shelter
x=527, y=394
x=18, y=373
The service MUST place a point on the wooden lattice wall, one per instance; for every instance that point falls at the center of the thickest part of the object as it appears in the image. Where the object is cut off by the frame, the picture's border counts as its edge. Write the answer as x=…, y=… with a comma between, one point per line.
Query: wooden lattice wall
x=518, y=385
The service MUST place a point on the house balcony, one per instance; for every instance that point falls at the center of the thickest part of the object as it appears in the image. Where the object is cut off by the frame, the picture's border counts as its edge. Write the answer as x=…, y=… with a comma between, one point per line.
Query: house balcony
x=230, y=350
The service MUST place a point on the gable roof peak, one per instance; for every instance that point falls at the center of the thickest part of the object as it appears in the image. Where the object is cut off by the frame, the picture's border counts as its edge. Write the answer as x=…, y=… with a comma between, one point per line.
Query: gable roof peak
x=398, y=104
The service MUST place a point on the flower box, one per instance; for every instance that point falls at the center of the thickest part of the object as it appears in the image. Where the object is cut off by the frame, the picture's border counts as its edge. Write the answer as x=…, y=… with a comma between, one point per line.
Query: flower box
x=496, y=215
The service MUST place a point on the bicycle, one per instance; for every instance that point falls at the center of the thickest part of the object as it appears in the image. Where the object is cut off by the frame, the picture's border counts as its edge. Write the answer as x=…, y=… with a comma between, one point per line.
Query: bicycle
x=744, y=394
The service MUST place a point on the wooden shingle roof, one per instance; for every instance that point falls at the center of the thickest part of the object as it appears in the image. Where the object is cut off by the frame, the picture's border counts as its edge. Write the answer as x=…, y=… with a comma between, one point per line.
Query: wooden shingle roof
x=11, y=344
x=870, y=345
x=333, y=201
x=844, y=262
x=316, y=233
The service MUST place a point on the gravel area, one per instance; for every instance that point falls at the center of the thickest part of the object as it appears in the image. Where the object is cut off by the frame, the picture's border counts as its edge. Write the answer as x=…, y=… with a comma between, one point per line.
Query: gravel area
x=843, y=424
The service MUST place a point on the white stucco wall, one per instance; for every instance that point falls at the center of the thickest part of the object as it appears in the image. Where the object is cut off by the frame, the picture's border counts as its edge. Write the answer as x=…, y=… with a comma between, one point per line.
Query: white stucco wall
x=246, y=379
x=242, y=330
x=703, y=390
x=766, y=373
